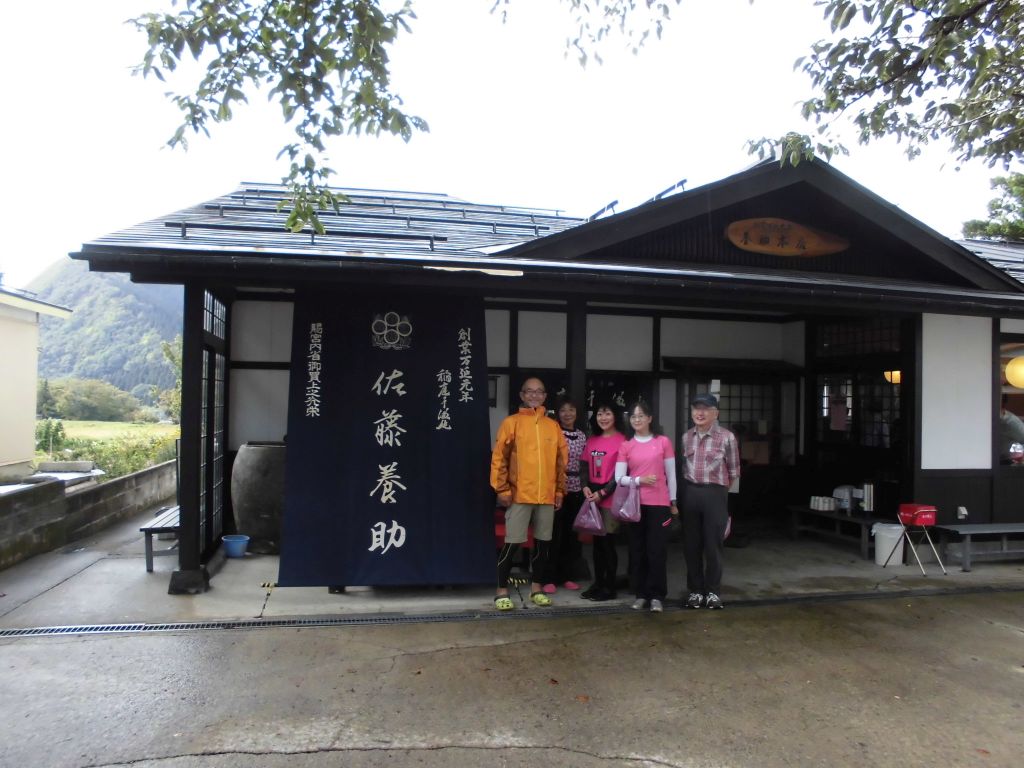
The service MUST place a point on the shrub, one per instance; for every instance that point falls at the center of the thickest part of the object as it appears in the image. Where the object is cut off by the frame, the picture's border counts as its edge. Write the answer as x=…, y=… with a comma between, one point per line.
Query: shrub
x=50, y=436
x=146, y=416
x=121, y=455
x=91, y=400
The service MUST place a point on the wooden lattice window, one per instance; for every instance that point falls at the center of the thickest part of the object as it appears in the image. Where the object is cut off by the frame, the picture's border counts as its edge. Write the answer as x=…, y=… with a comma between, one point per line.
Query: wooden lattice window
x=858, y=337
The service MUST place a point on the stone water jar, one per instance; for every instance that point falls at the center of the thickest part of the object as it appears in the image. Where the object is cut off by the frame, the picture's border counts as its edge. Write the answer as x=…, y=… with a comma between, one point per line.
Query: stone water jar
x=257, y=494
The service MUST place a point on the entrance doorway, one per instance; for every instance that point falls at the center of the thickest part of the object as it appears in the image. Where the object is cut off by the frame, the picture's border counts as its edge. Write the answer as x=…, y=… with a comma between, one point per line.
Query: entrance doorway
x=759, y=401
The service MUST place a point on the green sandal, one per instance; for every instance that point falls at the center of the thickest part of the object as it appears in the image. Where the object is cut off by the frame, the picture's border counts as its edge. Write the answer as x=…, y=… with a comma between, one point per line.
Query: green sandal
x=539, y=598
x=503, y=603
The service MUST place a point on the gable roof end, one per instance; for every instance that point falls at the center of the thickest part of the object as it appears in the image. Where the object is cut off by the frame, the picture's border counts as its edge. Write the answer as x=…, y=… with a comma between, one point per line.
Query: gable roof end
x=760, y=180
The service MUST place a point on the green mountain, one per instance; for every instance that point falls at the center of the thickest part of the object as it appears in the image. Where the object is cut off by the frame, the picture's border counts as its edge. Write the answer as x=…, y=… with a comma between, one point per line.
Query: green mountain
x=115, y=329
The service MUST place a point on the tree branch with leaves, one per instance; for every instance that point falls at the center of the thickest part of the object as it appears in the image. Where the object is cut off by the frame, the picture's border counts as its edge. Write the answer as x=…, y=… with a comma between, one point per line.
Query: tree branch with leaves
x=169, y=399
x=920, y=71
x=1006, y=212
x=325, y=63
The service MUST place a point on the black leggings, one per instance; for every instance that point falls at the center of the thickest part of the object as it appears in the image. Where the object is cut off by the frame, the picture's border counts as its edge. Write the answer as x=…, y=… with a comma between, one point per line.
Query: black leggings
x=606, y=561
x=538, y=562
x=565, y=544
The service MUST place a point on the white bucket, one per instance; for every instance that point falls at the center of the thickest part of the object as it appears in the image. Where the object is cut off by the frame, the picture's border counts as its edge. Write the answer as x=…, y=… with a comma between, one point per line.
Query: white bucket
x=886, y=537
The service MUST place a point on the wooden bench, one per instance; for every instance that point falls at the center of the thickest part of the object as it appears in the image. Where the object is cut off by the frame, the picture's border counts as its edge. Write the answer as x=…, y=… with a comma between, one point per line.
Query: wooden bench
x=840, y=526
x=967, y=533
x=167, y=520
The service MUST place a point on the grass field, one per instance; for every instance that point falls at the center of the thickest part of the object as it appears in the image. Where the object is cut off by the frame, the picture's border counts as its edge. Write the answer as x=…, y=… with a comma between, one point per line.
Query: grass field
x=105, y=430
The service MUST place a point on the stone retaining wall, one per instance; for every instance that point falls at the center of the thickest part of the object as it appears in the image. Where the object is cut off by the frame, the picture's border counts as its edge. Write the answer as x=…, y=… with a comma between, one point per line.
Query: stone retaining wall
x=45, y=517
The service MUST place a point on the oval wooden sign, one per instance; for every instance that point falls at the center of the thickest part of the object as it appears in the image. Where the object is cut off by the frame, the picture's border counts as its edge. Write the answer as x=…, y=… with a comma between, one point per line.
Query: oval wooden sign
x=779, y=237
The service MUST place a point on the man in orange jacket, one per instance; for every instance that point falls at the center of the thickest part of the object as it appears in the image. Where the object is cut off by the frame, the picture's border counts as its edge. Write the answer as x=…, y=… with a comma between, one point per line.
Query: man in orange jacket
x=528, y=474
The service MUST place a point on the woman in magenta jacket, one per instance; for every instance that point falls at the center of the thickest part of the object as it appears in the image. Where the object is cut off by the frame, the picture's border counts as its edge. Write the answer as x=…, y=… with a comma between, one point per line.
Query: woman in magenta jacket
x=597, y=467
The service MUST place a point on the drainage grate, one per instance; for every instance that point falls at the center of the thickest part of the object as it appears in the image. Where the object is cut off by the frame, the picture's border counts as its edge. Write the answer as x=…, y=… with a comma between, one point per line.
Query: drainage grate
x=382, y=619
x=324, y=621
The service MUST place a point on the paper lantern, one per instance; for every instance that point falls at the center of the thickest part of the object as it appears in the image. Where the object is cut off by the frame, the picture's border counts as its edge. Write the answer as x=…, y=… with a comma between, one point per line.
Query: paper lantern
x=1015, y=372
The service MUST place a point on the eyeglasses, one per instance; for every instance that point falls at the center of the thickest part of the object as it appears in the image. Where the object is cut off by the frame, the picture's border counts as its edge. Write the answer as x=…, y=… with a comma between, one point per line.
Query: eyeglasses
x=638, y=416
x=533, y=392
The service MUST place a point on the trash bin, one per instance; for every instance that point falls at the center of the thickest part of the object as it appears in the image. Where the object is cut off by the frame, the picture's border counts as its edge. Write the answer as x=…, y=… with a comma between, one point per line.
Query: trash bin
x=888, y=536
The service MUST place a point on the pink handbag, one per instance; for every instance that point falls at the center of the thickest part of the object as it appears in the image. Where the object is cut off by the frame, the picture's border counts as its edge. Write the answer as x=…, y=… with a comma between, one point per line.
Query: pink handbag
x=626, y=504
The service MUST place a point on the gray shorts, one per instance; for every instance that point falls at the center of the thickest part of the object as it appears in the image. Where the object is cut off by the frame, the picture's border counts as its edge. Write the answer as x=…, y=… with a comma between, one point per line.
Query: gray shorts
x=517, y=519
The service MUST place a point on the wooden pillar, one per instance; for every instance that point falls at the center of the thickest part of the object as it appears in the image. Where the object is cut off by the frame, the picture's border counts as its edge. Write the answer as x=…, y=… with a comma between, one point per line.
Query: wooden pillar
x=576, y=353
x=812, y=406
x=191, y=576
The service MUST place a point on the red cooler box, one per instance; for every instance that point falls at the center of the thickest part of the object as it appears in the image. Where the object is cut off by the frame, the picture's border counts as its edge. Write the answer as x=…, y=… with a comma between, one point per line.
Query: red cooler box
x=917, y=514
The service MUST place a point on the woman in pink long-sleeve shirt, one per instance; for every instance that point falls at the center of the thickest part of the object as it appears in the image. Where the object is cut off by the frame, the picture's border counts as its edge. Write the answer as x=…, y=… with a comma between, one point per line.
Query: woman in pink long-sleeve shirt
x=648, y=462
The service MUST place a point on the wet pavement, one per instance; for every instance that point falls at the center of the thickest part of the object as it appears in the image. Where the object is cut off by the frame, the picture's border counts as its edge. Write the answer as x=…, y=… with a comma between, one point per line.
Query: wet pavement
x=103, y=580
x=894, y=681
x=819, y=659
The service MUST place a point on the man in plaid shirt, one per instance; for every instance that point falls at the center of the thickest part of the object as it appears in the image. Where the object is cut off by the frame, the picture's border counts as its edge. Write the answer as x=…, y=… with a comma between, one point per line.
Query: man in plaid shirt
x=712, y=464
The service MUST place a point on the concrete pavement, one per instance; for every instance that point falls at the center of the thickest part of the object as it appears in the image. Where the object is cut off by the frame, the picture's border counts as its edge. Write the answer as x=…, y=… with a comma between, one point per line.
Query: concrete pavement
x=799, y=670
x=934, y=681
x=103, y=580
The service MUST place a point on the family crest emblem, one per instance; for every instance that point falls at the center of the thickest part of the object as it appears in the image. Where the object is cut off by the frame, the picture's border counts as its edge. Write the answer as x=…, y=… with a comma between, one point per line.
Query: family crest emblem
x=391, y=331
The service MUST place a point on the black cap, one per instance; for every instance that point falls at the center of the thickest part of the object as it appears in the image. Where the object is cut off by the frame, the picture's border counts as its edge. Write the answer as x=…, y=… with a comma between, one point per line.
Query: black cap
x=707, y=399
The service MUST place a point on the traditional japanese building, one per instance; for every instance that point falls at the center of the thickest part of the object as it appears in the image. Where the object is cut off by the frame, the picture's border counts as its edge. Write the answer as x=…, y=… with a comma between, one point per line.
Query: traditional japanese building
x=848, y=343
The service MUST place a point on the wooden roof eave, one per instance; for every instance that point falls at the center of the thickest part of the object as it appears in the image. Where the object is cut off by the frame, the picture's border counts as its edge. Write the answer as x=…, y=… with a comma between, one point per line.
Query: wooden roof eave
x=685, y=284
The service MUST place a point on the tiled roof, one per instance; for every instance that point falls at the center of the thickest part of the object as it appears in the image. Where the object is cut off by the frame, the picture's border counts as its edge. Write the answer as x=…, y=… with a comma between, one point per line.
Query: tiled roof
x=1007, y=256
x=415, y=237
x=369, y=222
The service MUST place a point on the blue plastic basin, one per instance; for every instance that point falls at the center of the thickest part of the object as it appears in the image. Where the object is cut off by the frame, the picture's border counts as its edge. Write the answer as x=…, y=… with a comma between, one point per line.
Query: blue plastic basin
x=235, y=544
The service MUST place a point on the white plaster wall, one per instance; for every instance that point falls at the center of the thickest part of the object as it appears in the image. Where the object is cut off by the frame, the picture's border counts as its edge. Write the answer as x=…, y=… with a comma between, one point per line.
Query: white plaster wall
x=19, y=344
x=259, y=406
x=666, y=415
x=690, y=337
x=261, y=331
x=619, y=343
x=956, y=392
x=497, y=323
x=1007, y=325
x=793, y=348
x=542, y=339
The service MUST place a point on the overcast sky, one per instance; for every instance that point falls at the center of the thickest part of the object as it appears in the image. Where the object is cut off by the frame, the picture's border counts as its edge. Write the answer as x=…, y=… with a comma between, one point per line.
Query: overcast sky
x=512, y=120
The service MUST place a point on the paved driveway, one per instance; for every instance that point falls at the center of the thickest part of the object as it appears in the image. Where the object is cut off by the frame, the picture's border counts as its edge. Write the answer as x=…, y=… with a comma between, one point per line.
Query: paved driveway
x=893, y=681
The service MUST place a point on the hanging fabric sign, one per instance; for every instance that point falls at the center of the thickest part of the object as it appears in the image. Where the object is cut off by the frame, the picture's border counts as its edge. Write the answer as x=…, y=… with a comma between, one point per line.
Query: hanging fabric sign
x=388, y=443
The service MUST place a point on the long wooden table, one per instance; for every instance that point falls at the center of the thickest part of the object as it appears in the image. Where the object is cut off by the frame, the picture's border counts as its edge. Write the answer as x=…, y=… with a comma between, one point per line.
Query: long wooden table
x=968, y=531
x=839, y=526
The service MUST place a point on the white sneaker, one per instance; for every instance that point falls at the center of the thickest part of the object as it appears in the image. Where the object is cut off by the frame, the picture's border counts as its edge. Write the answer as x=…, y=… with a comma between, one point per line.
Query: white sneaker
x=656, y=606
x=638, y=604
